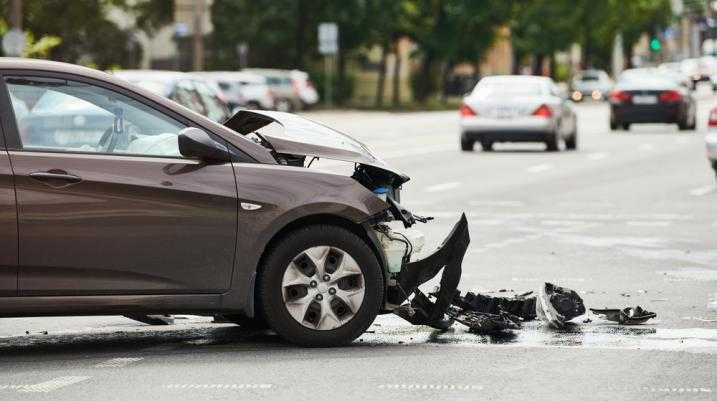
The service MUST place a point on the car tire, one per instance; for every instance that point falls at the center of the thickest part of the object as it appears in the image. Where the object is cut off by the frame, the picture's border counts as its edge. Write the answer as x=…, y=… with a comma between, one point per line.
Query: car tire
x=552, y=143
x=365, y=277
x=626, y=126
x=487, y=146
x=614, y=126
x=466, y=144
x=572, y=142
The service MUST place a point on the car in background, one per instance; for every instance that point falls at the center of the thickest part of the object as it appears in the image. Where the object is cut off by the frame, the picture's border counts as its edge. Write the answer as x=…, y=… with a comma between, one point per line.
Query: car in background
x=593, y=84
x=698, y=70
x=643, y=96
x=517, y=108
x=674, y=72
x=292, y=89
x=241, y=89
x=185, y=89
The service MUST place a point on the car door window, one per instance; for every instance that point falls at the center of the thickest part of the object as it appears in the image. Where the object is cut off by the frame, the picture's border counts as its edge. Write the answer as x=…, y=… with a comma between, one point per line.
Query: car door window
x=70, y=116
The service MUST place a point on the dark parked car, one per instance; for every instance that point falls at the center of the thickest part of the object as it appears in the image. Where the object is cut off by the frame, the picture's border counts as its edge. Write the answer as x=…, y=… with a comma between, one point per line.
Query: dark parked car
x=648, y=97
x=145, y=207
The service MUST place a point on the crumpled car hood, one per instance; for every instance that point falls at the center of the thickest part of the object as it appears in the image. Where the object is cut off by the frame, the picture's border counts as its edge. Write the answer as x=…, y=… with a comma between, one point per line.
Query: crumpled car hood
x=291, y=134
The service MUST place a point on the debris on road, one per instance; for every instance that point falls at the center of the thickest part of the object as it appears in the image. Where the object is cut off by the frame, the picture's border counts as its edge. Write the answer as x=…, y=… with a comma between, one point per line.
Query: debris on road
x=556, y=306
x=153, y=320
x=627, y=316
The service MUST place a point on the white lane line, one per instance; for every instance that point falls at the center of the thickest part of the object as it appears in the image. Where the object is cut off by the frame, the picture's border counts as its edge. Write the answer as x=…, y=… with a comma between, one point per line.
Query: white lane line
x=430, y=387
x=598, y=155
x=538, y=168
x=701, y=191
x=52, y=385
x=117, y=362
x=217, y=386
x=443, y=187
x=489, y=203
x=649, y=223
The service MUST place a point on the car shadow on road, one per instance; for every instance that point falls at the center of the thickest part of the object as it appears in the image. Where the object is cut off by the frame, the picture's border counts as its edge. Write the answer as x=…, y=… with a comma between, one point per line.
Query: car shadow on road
x=133, y=341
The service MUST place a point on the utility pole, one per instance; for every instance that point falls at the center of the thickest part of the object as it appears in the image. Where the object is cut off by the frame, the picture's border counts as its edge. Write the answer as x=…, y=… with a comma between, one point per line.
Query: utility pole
x=198, y=38
x=16, y=14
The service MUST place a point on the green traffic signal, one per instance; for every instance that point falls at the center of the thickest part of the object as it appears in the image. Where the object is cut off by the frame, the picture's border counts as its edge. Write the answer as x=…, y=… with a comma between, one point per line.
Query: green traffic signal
x=655, y=45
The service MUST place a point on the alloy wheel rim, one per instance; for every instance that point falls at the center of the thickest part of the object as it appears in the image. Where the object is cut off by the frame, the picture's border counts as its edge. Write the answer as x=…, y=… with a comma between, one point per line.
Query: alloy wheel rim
x=323, y=288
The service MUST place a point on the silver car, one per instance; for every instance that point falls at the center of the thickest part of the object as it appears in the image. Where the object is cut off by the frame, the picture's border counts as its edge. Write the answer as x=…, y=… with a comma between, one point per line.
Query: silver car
x=517, y=108
x=593, y=84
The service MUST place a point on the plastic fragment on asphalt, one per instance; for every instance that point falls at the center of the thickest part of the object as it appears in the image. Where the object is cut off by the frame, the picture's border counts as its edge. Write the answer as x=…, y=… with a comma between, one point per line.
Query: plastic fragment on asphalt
x=556, y=306
x=626, y=316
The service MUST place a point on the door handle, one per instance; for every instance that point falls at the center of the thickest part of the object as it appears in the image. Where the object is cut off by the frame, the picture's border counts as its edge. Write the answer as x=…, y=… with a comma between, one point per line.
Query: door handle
x=51, y=176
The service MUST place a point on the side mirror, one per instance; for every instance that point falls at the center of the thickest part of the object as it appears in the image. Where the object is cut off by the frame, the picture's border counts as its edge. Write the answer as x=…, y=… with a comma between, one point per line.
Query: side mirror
x=195, y=143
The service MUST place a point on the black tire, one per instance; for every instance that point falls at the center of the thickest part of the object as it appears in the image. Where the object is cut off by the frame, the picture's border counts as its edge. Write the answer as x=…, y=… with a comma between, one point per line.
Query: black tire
x=466, y=144
x=626, y=126
x=614, y=126
x=277, y=261
x=552, y=142
x=572, y=142
x=487, y=146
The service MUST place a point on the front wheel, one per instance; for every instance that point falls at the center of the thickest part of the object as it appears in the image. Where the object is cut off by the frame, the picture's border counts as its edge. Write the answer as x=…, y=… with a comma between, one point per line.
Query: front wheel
x=321, y=286
x=572, y=142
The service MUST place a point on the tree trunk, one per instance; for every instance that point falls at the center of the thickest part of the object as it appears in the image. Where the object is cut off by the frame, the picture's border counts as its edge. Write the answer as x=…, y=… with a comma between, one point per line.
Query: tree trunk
x=553, y=67
x=447, y=70
x=538, y=64
x=425, y=86
x=517, y=58
x=381, y=76
x=396, y=75
x=302, y=22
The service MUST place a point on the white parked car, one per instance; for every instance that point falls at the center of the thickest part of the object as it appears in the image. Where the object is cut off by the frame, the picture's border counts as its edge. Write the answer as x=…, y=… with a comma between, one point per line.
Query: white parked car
x=292, y=89
x=711, y=140
x=242, y=89
x=591, y=84
x=517, y=108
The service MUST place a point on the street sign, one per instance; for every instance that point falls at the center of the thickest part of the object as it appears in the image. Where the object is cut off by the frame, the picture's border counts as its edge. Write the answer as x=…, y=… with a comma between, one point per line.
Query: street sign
x=13, y=43
x=328, y=38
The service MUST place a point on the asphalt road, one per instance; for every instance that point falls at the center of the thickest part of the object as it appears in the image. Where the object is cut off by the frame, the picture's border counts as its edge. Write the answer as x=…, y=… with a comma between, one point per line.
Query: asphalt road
x=628, y=219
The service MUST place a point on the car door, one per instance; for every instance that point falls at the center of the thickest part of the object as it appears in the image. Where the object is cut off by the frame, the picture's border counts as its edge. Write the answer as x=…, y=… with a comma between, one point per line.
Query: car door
x=8, y=210
x=106, y=203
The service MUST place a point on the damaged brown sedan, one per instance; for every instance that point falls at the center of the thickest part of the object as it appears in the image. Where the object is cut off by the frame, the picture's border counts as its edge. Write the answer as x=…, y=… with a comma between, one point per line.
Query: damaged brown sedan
x=116, y=201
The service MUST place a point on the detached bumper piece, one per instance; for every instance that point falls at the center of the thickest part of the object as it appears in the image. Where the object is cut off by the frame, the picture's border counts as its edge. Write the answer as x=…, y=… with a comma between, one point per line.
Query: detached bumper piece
x=448, y=257
x=627, y=316
x=558, y=305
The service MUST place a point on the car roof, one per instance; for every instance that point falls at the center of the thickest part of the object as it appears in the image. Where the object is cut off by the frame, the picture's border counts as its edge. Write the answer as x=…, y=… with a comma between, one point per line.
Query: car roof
x=231, y=75
x=516, y=78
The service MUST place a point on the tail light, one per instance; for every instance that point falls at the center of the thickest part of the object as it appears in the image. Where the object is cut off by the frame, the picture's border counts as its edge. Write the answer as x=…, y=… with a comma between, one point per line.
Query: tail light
x=670, y=96
x=619, y=97
x=466, y=111
x=543, y=111
x=712, y=122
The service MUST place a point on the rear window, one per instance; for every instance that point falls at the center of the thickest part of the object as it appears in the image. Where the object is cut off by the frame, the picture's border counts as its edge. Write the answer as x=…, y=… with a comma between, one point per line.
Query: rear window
x=510, y=88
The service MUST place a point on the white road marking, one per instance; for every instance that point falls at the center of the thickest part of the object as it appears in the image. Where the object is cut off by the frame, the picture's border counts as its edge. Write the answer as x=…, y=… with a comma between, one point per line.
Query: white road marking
x=422, y=386
x=598, y=155
x=538, y=168
x=443, y=187
x=505, y=203
x=52, y=385
x=117, y=362
x=704, y=190
x=240, y=386
x=648, y=223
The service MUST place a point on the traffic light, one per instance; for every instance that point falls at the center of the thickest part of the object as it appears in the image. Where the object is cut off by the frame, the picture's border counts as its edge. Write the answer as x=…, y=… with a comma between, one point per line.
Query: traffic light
x=655, y=45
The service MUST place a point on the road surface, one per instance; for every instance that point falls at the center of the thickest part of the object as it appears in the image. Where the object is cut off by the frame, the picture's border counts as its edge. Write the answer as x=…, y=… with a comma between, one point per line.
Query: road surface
x=628, y=219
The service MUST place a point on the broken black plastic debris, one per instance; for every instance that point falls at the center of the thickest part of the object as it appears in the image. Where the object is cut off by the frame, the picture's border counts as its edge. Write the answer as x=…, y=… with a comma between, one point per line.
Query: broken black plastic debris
x=522, y=305
x=484, y=323
x=556, y=306
x=626, y=316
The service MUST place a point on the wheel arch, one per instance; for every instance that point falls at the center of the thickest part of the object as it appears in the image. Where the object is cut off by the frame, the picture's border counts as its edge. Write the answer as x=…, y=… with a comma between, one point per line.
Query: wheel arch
x=361, y=230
